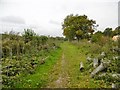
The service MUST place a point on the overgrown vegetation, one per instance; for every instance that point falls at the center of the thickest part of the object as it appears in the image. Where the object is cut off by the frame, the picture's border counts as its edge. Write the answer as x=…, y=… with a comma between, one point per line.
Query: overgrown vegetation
x=105, y=44
x=80, y=27
x=93, y=50
x=22, y=54
x=28, y=57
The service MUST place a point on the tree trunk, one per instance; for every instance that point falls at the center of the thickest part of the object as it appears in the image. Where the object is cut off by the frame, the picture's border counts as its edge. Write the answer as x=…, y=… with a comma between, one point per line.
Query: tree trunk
x=101, y=67
x=81, y=66
x=95, y=62
x=115, y=85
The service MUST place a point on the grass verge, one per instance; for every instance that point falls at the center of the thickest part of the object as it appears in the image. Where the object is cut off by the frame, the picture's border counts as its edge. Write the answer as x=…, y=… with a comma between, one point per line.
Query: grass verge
x=40, y=77
x=73, y=55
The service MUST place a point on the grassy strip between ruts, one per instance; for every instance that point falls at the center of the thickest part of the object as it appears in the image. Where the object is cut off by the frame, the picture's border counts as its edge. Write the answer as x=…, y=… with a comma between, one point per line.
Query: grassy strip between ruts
x=40, y=77
x=73, y=55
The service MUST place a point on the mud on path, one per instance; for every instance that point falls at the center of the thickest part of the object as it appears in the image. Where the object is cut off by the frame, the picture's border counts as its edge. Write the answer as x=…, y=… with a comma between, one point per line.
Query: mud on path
x=59, y=77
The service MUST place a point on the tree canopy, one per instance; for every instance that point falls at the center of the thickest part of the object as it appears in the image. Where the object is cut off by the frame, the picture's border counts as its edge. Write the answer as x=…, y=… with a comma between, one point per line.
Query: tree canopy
x=108, y=32
x=77, y=26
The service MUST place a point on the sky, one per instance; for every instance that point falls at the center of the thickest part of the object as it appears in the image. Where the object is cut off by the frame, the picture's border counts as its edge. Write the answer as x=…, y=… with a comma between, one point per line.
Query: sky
x=45, y=17
x=119, y=13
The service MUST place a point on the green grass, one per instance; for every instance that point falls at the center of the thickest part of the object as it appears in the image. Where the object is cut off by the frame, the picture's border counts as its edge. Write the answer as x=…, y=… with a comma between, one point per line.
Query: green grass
x=47, y=74
x=80, y=79
x=73, y=55
x=40, y=77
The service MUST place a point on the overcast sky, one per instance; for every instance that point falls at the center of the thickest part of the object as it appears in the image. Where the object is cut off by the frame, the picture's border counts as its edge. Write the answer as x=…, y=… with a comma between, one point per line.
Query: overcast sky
x=45, y=16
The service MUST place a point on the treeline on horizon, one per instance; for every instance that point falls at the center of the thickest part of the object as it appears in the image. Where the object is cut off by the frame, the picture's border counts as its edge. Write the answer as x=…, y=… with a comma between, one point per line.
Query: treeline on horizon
x=81, y=27
x=29, y=39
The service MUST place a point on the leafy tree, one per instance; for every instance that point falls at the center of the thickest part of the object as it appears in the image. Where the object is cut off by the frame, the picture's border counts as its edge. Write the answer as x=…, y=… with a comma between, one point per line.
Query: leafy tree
x=77, y=26
x=108, y=32
x=116, y=31
x=44, y=39
x=97, y=36
x=79, y=34
x=37, y=40
x=28, y=35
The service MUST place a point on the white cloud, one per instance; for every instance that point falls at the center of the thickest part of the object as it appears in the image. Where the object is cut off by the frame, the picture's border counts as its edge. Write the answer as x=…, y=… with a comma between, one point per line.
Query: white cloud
x=46, y=16
x=12, y=19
